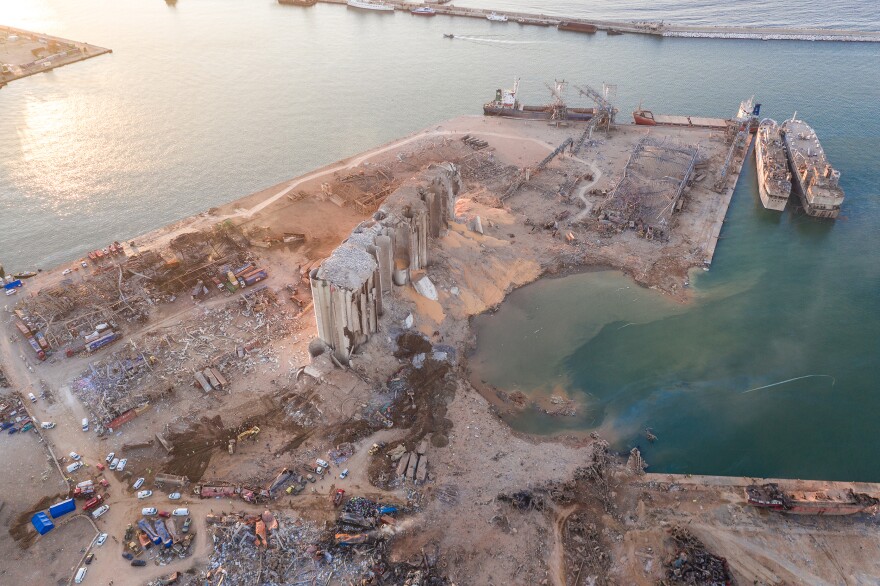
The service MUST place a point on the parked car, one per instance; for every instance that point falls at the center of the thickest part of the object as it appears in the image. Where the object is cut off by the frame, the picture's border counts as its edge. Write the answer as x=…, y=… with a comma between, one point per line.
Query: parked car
x=149, y=511
x=138, y=483
x=121, y=466
x=138, y=563
x=110, y=457
x=114, y=463
x=47, y=425
x=103, y=482
x=90, y=558
x=183, y=512
x=127, y=555
x=145, y=494
x=80, y=575
x=344, y=473
x=66, y=272
x=100, y=511
x=32, y=398
x=164, y=514
x=186, y=524
x=174, y=496
x=74, y=467
x=74, y=456
x=322, y=463
x=100, y=467
x=101, y=539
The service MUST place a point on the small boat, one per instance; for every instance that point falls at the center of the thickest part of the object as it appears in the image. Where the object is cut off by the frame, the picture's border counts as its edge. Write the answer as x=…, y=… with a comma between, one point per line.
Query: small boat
x=423, y=11
x=611, y=32
x=370, y=5
x=495, y=17
x=448, y=36
x=25, y=275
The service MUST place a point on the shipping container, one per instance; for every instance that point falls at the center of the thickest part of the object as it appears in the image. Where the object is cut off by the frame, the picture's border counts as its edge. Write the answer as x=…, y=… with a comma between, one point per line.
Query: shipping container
x=102, y=341
x=255, y=278
x=14, y=284
x=40, y=354
x=42, y=523
x=62, y=508
x=241, y=270
x=41, y=340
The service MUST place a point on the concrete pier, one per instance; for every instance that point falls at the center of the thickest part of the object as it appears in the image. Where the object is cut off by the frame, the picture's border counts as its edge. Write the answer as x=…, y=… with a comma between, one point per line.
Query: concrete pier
x=658, y=29
x=25, y=53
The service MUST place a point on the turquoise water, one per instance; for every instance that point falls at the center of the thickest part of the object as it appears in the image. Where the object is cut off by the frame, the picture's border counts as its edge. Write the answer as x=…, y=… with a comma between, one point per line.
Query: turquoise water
x=787, y=297
x=208, y=100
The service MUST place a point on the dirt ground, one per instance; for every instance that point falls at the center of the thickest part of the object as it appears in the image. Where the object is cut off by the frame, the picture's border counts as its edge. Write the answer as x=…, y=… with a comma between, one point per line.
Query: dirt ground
x=497, y=507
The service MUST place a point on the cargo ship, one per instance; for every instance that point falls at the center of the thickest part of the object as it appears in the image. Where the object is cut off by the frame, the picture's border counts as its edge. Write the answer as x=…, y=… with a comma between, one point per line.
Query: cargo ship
x=815, y=181
x=577, y=27
x=747, y=112
x=507, y=105
x=774, y=178
x=825, y=502
x=370, y=5
x=644, y=117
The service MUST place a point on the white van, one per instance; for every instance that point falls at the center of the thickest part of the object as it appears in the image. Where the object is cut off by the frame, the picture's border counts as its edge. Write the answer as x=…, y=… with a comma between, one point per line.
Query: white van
x=74, y=467
x=85, y=423
x=32, y=398
x=80, y=575
x=180, y=512
x=47, y=425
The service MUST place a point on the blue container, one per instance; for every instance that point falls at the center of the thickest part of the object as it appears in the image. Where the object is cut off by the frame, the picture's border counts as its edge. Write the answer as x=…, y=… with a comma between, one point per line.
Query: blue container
x=62, y=508
x=42, y=523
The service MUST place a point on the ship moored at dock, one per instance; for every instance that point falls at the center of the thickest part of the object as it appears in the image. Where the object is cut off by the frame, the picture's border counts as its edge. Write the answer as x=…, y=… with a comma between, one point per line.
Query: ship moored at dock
x=507, y=105
x=374, y=5
x=648, y=118
x=824, y=502
x=815, y=181
x=774, y=178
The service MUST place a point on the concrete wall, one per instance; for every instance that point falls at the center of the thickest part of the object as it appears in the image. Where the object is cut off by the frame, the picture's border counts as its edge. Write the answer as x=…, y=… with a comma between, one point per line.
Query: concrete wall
x=381, y=252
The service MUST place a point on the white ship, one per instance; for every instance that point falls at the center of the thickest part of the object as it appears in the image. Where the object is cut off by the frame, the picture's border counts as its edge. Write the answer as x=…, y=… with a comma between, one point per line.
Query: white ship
x=370, y=5
x=814, y=179
x=774, y=179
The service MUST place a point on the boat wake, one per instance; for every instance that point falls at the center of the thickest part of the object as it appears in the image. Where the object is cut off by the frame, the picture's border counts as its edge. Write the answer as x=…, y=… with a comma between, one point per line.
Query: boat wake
x=492, y=41
x=833, y=380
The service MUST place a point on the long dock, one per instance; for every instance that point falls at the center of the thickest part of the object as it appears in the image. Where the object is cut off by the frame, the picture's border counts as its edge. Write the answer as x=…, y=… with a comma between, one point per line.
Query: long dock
x=24, y=59
x=658, y=29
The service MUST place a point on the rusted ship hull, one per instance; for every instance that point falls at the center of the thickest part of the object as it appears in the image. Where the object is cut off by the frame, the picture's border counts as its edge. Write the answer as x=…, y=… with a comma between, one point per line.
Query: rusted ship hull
x=648, y=118
x=825, y=503
x=814, y=180
x=577, y=27
x=774, y=180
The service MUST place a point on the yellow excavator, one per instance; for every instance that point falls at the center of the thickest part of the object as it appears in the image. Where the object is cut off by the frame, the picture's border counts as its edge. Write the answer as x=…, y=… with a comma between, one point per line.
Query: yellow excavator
x=249, y=433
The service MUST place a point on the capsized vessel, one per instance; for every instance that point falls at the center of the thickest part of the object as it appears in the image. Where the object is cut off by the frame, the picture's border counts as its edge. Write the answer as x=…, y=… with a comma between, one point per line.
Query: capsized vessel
x=774, y=178
x=822, y=502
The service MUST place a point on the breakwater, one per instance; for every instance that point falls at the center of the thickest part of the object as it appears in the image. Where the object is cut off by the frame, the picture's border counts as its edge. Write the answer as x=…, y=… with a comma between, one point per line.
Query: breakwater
x=659, y=29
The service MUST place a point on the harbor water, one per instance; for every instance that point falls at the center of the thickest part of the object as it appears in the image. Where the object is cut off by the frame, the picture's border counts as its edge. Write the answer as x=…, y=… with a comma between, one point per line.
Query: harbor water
x=204, y=101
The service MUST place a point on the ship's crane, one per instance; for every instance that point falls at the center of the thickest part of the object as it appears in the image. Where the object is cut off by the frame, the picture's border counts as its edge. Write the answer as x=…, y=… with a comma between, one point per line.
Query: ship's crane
x=605, y=111
x=559, y=111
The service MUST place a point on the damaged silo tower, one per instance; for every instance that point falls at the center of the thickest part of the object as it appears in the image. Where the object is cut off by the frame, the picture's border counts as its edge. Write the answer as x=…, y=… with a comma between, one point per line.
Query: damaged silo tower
x=346, y=295
x=381, y=252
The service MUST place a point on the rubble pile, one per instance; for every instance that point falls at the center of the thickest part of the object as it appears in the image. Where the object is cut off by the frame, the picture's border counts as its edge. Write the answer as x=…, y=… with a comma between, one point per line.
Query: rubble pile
x=274, y=550
x=123, y=289
x=233, y=339
x=694, y=564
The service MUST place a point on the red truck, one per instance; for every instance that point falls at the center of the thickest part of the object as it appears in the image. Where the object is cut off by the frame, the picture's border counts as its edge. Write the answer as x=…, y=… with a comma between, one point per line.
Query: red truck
x=92, y=503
